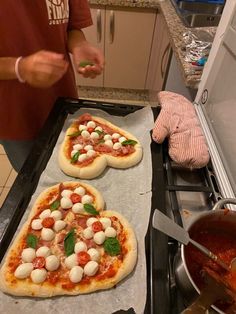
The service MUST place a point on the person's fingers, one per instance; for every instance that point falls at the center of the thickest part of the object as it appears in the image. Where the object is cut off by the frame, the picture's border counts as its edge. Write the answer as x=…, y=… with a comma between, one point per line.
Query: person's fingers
x=90, y=71
x=99, y=61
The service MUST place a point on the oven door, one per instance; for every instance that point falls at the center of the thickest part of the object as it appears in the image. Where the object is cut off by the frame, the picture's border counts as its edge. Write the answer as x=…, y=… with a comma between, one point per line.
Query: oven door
x=216, y=102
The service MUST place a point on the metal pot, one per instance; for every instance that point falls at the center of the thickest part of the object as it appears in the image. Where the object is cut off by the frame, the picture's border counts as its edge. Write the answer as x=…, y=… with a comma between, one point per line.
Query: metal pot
x=183, y=277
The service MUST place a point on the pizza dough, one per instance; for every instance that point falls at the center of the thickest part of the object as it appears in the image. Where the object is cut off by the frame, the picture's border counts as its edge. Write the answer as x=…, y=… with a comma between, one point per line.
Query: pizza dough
x=92, y=143
x=63, y=249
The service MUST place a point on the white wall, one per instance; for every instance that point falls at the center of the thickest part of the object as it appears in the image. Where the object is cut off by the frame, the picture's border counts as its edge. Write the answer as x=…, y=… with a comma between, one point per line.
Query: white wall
x=175, y=82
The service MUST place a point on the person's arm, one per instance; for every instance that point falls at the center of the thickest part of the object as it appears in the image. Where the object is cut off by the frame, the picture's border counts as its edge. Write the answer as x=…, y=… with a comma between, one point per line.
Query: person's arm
x=82, y=51
x=41, y=69
x=7, y=66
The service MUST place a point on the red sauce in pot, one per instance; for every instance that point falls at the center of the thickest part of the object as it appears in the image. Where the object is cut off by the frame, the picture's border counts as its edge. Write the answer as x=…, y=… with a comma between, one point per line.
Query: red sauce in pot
x=220, y=238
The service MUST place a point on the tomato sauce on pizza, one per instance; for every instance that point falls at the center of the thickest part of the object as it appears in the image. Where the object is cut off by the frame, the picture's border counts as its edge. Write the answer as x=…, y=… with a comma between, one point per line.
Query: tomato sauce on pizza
x=91, y=137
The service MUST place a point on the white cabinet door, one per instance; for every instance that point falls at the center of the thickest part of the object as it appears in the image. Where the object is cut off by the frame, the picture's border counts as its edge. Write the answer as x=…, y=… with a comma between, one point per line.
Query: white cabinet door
x=159, y=59
x=127, y=47
x=125, y=37
x=95, y=35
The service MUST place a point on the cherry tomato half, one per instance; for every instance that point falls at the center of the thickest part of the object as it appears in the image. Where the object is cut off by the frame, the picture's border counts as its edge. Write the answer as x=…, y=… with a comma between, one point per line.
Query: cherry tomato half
x=39, y=262
x=75, y=198
x=83, y=258
x=83, y=151
x=48, y=222
x=90, y=130
x=97, y=226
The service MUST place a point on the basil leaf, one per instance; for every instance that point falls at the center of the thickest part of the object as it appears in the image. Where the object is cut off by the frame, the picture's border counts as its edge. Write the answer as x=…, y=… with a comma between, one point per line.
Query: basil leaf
x=90, y=209
x=83, y=64
x=112, y=246
x=101, y=141
x=129, y=142
x=74, y=134
x=75, y=157
x=31, y=240
x=69, y=242
x=99, y=132
x=55, y=205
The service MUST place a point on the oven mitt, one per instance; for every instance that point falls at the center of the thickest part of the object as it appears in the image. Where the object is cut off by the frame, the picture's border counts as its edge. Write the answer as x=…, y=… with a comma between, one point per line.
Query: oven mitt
x=179, y=123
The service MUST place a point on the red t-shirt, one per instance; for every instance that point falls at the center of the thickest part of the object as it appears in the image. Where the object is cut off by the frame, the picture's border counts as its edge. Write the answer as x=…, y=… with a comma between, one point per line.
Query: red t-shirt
x=28, y=26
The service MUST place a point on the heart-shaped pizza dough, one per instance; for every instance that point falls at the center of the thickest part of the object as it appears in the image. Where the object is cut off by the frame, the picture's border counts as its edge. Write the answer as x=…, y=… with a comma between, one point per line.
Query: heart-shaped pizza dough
x=92, y=143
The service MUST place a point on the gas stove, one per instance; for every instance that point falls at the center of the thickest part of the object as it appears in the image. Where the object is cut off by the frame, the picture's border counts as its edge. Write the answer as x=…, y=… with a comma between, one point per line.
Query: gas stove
x=183, y=195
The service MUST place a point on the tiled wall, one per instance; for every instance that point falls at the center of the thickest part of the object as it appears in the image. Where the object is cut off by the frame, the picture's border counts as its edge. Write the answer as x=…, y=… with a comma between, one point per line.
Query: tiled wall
x=7, y=175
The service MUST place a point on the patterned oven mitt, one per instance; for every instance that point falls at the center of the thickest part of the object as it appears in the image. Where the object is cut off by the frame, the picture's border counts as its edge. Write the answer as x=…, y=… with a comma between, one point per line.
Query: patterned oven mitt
x=178, y=121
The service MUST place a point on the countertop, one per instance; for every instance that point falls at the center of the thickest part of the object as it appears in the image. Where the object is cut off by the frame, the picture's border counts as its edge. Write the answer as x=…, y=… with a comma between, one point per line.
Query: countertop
x=175, y=28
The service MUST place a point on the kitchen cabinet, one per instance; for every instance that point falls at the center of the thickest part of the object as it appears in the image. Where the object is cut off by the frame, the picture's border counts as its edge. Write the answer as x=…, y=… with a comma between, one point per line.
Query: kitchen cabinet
x=125, y=37
x=160, y=57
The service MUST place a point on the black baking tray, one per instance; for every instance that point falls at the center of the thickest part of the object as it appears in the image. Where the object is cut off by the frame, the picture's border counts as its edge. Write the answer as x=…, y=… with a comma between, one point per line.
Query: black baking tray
x=18, y=198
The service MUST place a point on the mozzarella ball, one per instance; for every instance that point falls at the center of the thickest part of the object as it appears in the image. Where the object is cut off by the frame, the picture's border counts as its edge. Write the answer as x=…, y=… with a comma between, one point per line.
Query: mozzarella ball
x=107, y=137
x=106, y=222
x=77, y=147
x=38, y=275
x=73, y=152
x=82, y=127
x=99, y=237
x=37, y=224
x=43, y=251
x=91, y=268
x=91, y=153
x=88, y=233
x=71, y=261
x=109, y=143
x=66, y=193
x=52, y=263
x=66, y=203
x=28, y=255
x=110, y=232
x=78, y=208
x=80, y=246
x=99, y=128
x=115, y=135
x=47, y=234
x=88, y=147
x=23, y=271
x=59, y=225
x=94, y=135
x=85, y=134
x=122, y=139
x=80, y=190
x=82, y=157
x=87, y=199
x=94, y=254
x=117, y=146
x=90, y=221
x=76, y=274
x=45, y=213
x=91, y=124
x=56, y=214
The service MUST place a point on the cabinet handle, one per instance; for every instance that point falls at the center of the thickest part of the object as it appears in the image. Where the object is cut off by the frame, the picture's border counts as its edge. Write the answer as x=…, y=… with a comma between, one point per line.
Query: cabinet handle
x=99, y=26
x=162, y=59
x=112, y=26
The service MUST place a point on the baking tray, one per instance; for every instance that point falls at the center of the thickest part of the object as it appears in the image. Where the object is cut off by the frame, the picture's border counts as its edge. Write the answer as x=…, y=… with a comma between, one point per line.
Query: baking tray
x=18, y=198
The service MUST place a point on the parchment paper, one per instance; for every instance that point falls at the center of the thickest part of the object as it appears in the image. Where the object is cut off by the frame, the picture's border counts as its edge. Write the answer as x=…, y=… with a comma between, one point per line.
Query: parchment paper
x=126, y=191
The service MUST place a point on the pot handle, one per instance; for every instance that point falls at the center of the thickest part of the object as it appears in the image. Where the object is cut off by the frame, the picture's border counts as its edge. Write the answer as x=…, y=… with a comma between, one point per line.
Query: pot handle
x=224, y=201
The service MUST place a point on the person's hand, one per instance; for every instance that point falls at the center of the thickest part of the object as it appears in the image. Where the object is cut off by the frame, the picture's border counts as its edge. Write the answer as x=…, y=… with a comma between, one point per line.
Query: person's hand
x=88, y=60
x=43, y=68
